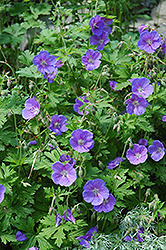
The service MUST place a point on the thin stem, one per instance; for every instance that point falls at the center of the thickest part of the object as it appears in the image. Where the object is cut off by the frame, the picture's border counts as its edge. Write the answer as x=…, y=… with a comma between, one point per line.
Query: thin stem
x=9, y=67
x=124, y=149
x=15, y=125
x=34, y=156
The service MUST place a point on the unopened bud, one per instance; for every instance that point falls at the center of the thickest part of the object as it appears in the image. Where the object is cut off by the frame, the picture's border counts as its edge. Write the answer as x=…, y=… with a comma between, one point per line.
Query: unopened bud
x=101, y=165
x=80, y=173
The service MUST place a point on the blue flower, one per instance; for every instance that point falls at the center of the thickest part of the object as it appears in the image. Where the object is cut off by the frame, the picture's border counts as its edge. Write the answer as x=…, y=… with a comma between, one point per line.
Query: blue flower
x=136, y=105
x=91, y=59
x=97, y=25
x=20, y=236
x=100, y=40
x=2, y=191
x=149, y=41
x=58, y=124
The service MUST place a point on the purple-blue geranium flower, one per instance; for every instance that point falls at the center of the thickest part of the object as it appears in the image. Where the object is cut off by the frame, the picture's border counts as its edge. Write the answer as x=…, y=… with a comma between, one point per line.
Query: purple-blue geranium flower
x=164, y=118
x=95, y=192
x=142, y=28
x=115, y=162
x=136, y=105
x=142, y=87
x=113, y=85
x=34, y=142
x=33, y=248
x=58, y=219
x=51, y=75
x=87, y=237
x=143, y=142
x=97, y=25
x=128, y=238
x=156, y=150
x=91, y=60
x=63, y=175
x=81, y=140
x=101, y=40
x=58, y=124
x=107, y=205
x=69, y=217
x=140, y=231
x=137, y=155
x=107, y=22
x=163, y=45
x=20, y=236
x=44, y=62
x=32, y=108
x=71, y=161
x=149, y=41
x=51, y=146
x=2, y=191
x=80, y=103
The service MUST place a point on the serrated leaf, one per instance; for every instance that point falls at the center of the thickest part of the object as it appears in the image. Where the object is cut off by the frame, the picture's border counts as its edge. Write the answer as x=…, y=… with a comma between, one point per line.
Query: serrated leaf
x=60, y=236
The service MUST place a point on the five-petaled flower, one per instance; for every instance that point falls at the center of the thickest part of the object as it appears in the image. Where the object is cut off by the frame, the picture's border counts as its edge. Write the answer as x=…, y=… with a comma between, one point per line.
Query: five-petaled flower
x=32, y=108
x=91, y=59
x=115, y=162
x=44, y=62
x=107, y=205
x=84, y=240
x=142, y=87
x=97, y=25
x=137, y=155
x=81, y=140
x=58, y=124
x=2, y=191
x=149, y=41
x=156, y=150
x=63, y=175
x=80, y=103
x=101, y=40
x=136, y=105
x=68, y=217
x=20, y=236
x=95, y=192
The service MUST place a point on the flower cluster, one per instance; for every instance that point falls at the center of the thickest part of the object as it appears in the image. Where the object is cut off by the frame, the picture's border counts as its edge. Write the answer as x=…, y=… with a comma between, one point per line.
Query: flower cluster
x=68, y=217
x=139, y=154
x=63, y=175
x=101, y=30
x=80, y=103
x=84, y=240
x=141, y=89
x=47, y=65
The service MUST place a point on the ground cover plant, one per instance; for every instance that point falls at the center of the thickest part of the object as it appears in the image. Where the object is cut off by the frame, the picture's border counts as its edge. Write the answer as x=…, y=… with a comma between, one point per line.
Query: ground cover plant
x=82, y=121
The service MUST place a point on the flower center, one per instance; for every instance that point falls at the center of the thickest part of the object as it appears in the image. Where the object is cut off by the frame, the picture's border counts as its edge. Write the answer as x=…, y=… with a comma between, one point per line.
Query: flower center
x=64, y=173
x=141, y=90
x=80, y=142
x=101, y=41
x=105, y=201
x=91, y=60
x=34, y=110
x=95, y=191
x=43, y=62
x=149, y=42
x=56, y=125
x=137, y=155
x=159, y=150
x=135, y=103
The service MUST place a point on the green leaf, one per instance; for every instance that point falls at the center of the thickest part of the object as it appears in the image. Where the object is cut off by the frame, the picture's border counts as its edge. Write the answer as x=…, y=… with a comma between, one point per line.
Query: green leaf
x=60, y=236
